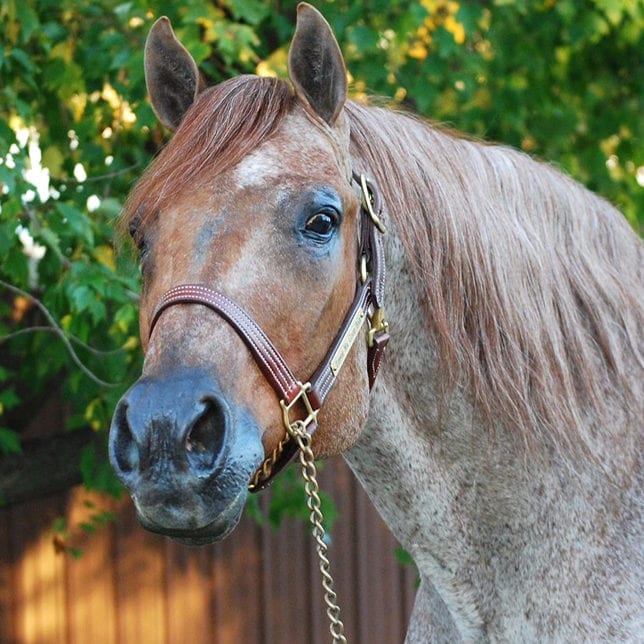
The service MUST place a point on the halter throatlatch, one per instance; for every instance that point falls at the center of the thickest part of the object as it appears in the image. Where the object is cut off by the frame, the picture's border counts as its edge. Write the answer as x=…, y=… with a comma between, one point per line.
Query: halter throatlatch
x=301, y=402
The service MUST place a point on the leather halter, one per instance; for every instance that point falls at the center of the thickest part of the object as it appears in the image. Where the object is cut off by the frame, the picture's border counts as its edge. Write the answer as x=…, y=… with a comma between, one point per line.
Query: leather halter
x=366, y=306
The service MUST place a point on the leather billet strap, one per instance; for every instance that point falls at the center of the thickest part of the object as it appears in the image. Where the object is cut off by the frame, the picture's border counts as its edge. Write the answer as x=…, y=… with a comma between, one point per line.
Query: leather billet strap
x=366, y=306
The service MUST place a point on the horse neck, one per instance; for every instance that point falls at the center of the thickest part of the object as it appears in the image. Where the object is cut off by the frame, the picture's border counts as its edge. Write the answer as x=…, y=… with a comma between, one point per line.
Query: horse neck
x=417, y=457
x=417, y=446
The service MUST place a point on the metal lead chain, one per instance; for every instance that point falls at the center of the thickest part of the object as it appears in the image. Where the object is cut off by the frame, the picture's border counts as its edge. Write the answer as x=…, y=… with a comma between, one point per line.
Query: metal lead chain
x=309, y=472
x=266, y=468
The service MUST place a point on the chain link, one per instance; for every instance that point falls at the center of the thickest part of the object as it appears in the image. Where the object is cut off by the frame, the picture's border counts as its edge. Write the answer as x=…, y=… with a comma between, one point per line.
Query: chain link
x=298, y=431
x=266, y=468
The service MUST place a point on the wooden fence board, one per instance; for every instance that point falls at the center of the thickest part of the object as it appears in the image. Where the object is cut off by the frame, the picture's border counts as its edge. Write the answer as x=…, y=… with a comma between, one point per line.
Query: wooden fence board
x=90, y=579
x=239, y=589
x=189, y=593
x=286, y=583
x=140, y=582
x=8, y=582
x=41, y=606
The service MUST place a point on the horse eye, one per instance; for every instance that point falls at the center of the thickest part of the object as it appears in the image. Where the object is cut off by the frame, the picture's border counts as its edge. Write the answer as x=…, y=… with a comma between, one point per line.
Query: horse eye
x=132, y=227
x=321, y=224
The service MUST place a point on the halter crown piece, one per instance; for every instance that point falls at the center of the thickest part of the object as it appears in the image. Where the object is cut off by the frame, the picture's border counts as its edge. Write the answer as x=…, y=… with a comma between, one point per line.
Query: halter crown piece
x=298, y=399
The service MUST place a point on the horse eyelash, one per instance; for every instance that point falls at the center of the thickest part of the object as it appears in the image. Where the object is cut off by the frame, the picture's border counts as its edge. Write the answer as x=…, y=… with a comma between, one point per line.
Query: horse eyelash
x=137, y=236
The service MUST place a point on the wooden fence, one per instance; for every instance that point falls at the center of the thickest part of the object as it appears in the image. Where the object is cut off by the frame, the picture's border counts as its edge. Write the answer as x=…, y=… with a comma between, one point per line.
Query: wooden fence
x=259, y=586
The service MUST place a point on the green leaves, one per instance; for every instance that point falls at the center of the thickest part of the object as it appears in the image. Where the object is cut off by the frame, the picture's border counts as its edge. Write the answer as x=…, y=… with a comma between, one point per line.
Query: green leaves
x=98, y=476
x=287, y=499
x=9, y=442
x=249, y=11
x=65, y=78
x=78, y=222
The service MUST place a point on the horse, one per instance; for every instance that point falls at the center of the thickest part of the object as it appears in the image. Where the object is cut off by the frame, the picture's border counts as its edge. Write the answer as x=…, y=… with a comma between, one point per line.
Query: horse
x=286, y=232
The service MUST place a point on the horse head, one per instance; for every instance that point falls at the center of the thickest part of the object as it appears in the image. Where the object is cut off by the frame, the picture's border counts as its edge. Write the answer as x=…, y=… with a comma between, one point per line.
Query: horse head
x=254, y=202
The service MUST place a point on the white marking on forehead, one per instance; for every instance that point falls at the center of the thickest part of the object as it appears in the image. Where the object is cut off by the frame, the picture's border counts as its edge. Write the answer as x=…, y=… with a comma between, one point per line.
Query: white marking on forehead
x=272, y=160
x=259, y=168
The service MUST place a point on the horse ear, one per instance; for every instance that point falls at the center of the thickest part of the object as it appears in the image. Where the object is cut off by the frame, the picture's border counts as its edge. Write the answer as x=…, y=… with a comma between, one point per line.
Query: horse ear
x=315, y=65
x=171, y=74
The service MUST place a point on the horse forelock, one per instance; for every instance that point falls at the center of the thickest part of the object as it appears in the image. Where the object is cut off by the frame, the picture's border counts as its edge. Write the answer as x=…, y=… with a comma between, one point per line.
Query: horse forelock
x=225, y=123
x=531, y=285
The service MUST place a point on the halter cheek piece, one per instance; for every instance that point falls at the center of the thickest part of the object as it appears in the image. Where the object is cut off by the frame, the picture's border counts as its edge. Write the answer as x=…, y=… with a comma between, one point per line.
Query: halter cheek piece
x=308, y=397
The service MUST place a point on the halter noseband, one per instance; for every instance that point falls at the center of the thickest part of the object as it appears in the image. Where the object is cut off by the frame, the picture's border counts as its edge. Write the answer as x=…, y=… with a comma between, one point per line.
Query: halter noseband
x=366, y=306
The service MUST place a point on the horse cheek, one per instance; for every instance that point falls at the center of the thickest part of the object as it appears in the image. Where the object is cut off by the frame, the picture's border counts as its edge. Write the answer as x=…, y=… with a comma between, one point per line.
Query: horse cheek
x=344, y=414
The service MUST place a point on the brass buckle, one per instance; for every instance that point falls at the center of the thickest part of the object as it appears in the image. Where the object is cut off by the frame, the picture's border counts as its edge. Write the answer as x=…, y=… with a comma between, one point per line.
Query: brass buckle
x=377, y=325
x=367, y=204
x=312, y=414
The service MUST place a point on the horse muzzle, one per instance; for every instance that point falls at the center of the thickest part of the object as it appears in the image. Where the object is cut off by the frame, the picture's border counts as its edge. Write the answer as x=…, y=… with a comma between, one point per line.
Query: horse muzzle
x=185, y=454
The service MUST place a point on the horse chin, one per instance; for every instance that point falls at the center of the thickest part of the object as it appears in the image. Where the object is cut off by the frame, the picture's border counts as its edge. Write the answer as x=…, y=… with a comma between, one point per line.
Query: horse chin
x=216, y=530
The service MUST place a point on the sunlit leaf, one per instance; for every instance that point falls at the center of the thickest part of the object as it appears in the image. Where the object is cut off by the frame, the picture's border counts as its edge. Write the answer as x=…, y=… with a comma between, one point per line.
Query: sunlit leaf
x=105, y=255
x=53, y=159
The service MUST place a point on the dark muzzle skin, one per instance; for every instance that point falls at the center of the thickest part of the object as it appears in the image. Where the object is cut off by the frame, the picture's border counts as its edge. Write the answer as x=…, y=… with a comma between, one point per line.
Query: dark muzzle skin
x=185, y=454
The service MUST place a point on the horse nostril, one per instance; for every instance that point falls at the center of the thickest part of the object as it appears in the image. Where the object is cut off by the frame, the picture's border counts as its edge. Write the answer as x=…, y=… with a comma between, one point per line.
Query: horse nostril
x=124, y=448
x=205, y=439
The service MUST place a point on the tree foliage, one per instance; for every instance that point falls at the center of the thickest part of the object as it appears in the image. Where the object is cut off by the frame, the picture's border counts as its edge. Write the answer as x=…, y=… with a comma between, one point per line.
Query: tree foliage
x=557, y=78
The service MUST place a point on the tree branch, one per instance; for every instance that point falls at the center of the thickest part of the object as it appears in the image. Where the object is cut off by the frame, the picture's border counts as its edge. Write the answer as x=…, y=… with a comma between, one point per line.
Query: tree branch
x=45, y=466
x=57, y=329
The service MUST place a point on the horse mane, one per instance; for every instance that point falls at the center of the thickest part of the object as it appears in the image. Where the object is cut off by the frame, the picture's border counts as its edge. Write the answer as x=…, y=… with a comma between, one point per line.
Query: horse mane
x=531, y=284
